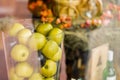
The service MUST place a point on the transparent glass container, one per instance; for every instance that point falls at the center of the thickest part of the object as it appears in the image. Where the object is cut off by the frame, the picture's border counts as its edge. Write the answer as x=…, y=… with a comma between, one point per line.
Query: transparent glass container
x=24, y=63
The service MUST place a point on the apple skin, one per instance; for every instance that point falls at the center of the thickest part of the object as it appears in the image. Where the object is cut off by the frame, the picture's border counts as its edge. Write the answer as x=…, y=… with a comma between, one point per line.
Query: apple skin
x=44, y=28
x=57, y=56
x=19, y=53
x=49, y=78
x=37, y=41
x=36, y=76
x=57, y=35
x=24, y=69
x=13, y=76
x=49, y=69
x=23, y=35
x=50, y=49
x=15, y=29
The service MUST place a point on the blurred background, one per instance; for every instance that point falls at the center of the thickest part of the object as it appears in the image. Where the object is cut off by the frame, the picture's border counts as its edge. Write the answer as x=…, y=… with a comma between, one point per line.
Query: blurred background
x=17, y=8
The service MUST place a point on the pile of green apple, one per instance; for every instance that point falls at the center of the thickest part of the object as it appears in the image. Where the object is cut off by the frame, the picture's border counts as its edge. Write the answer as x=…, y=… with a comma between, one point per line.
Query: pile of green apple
x=46, y=39
x=51, y=50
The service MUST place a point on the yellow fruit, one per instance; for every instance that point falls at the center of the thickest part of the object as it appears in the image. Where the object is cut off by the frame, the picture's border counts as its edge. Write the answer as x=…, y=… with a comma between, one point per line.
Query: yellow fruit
x=49, y=69
x=36, y=41
x=23, y=35
x=24, y=69
x=13, y=76
x=50, y=49
x=73, y=2
x=51, y=78
x=44, y=28
x=15, y=28
x=19, y=53
x=57, y=56
x=36, y=76
x=57, y=35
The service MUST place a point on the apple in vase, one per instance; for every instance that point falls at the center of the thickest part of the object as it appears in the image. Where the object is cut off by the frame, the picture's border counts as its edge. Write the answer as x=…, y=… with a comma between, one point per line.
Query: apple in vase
x=13, y=75
x=50, y=49
x=23, y=69
x=19, y=53
x=36, y=76
x=49, y=69
x=36, y=41
x=23, y=35
x=57, y=35
x=44, y=28
x=58, y=55
x=51, y=78
x=15, y=29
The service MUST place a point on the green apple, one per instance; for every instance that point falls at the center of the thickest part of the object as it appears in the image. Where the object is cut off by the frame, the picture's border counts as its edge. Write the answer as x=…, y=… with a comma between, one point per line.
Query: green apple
x=57, y=35
x=24, y=69
x=36, y=76
x=44, y=28
x=49, y=69
x=50, y=49
x=58, y=55
x=13, y=76
x=15, y=28
x=51, y=78
x=23, y=35
x=37, y=41
x=19, y=52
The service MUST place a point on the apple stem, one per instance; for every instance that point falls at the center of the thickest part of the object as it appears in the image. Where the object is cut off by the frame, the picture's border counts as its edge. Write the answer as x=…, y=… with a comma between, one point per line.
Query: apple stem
x=46, y=66
x=23, y=55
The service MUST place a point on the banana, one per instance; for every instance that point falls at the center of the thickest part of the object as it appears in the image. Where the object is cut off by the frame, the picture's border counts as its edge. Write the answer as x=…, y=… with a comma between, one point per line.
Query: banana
x=68, y=7
x=91, y=9
x=69, y=11
x=83, y=2
x=87, y=9
x=68, y=2
x=83, y=13
x=99, y=5
x=96, y=9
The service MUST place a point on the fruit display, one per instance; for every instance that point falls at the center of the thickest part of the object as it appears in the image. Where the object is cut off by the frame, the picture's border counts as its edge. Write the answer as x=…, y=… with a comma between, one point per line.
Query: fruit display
x=20, y=65
x=23, y=45
x=51, y=51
